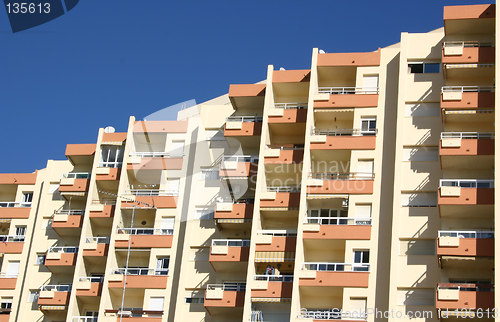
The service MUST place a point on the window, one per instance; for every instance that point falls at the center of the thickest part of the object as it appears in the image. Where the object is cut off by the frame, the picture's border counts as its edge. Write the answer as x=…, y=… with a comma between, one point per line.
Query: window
x=162, y=265
x=368, y=125
x=194, y=300
x=361, y=257
x=111, y=156
x=27, y=197
x=209, y=174
x=33, y=296
x=156, y=303
x=424, y=68
x=20, y=233
x=40, y=259
x=6, y=303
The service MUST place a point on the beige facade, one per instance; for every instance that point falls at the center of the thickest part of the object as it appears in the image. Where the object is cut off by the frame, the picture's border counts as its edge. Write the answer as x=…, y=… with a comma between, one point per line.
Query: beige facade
x=359, y=189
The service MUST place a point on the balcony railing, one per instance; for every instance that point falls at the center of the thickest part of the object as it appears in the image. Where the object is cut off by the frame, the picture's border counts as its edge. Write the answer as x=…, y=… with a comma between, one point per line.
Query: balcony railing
x=98, y=240
x=110, y=164
x=240, y=158
x=153, y=192
x=76, y=175
x=333, y=314
x=284, y=189
x=462, y=89
x=63, y=250
x=467, y=43
x=466, y=233
x=338, y=220
x=12, y=238
x=466, y=287
x=273, y=278
x=467, y=135
x=71, y=212
x=277, y=233
x=15, y=204
x=348, y=90
x=238, y=287
x=145, y=231
x=343, y=132
x=134, y=312
x=291, y=106
x=91, y=279
x=336, y=267
x=467, y=183
x=84, y=319
x=231, y=242
x=342, y=176
x=244, y=119
x=139, y=271
x=294, y=147
x=56, y=288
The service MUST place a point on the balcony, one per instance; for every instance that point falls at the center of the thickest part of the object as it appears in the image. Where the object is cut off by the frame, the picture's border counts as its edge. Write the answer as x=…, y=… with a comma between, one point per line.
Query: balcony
x=11, y=244
x=80, y=153
x=138, y=278
x=102, y=209
x=283, y=155
x=60, y=258
x=18, y=178
x=238, y=166
x=225, y=295
x=288, y=113
x=334, y=274
x=348, y=139
x=456, y=52
x=155, y=161
x=134, y=315
x=344, y=97
x=8, y=281
x=280, y=198
x=145, y=198
x=96, y=247
x=229, y=254
x=467, y=97
x=67, y=220
x=272, y=286
x=343, y=183
x=74, y=184
x=291, y=76
x=108, y=171
x=246, y=95
x=466, y=192
x=239, y=209
x=464, y=296
x=144, y=238
x=349, y=59
x=467, y=149
x=89, y=286
x=332, y=314
x=337, y=227
x=15, y=210
x=275, y=241
x=470, y=19
x=243, y=126
x=54, y=295
x=465, y=243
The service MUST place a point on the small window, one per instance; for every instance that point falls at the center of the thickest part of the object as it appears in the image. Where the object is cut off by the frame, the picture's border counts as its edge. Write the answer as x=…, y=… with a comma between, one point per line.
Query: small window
x=40, y=259
x=27, y=197
x=111, y=157
x=33, y=296
x=368, y=126
x=194, y=300
x=424, y=68
x=6, y=304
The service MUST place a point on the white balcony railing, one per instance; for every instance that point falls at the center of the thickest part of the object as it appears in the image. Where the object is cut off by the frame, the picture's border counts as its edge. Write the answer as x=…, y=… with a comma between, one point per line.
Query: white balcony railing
x=231, y=242
x=91, y=279
x=342, y=176
x=76, y=175
x=336, y=267
x=98, y=240
x=139, y=271
x=284, y=189
x=244, y=119
x=238, y=287
x=273, y=278
x=145, y=231
x=12, y=238
x=240, y=158
x=56, y=288
x=462, y=89
x=467, y=135
x=344, y=132
x=291, y=106
x=153, y=192
x=281, y=147
x=15, y=204
x=277, y=233
x=339, y=220
x=467, y=43
x=467, y=183
x=466, y=233
x=154, y=154
x=348, y=90
x=71, y=212
x=62, y=250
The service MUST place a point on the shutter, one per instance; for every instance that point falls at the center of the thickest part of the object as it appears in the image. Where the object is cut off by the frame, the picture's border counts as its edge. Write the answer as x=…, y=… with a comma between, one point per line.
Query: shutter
x=365, y=167
x=370, y=84
x=173, y=185
x=177, y=148
x=12, y=268
x=167, y=223
x=363, y=211
x=156, y=303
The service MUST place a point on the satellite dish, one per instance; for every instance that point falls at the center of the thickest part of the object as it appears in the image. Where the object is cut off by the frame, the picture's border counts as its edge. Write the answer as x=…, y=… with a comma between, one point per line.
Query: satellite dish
x=281, y=68
x=321, y=51
x=109, y=129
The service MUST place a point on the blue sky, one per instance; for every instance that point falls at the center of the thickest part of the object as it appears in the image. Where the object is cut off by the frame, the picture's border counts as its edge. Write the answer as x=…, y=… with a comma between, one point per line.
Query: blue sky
x=106, y=60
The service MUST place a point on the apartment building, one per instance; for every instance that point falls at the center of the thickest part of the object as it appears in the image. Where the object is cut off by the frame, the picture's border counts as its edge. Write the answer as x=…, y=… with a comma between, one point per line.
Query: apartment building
x=360, y=189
